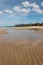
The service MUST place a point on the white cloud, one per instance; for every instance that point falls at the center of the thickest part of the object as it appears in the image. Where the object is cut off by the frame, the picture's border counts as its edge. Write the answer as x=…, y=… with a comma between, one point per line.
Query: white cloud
x=17, y=8
x=38, y=10
x=8, y=11
x=26, y=3
x=25, y=10
x=41, y=3
x=20, y=10
x=35, y=7
x=1, y=12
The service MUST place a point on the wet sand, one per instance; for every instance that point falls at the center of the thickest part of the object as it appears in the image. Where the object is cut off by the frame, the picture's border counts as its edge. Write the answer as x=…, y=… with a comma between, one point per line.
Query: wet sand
x=3, y=31
x=21, y=52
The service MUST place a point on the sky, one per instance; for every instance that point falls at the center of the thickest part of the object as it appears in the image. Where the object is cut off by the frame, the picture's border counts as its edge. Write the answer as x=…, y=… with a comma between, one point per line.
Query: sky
x=14, y=12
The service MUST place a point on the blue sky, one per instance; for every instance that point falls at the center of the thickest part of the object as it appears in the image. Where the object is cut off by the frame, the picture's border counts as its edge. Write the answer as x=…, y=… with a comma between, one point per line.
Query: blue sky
x=20, y=11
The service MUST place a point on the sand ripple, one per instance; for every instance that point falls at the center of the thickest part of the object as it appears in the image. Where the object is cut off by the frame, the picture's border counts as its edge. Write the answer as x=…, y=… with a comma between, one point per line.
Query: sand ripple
x=22, y=52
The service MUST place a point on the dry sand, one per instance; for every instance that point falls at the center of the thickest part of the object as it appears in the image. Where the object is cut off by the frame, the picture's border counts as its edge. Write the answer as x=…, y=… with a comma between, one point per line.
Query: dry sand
x=28, y=28
x=21, y=52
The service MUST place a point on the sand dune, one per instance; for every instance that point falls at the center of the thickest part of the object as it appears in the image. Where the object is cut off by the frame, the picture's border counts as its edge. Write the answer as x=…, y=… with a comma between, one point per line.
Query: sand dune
x=21, y=52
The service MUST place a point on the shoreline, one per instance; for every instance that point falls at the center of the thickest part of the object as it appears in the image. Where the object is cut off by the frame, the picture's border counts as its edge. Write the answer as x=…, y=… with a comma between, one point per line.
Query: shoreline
x=28, y=28
x=34, y=28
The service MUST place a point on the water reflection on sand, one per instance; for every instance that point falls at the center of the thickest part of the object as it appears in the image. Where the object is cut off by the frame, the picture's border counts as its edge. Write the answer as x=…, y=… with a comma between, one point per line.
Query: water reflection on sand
x=20, y=34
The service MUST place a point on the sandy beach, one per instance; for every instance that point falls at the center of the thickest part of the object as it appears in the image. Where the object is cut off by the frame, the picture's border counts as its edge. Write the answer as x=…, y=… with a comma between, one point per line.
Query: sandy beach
x=37, y=29
x=20, y=52
x=28, y=28
x=21, y=32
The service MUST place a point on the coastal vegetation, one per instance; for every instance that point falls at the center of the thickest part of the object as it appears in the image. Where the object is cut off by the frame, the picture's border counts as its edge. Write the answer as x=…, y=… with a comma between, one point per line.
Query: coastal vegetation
x=26, y=25
x=31, y=24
